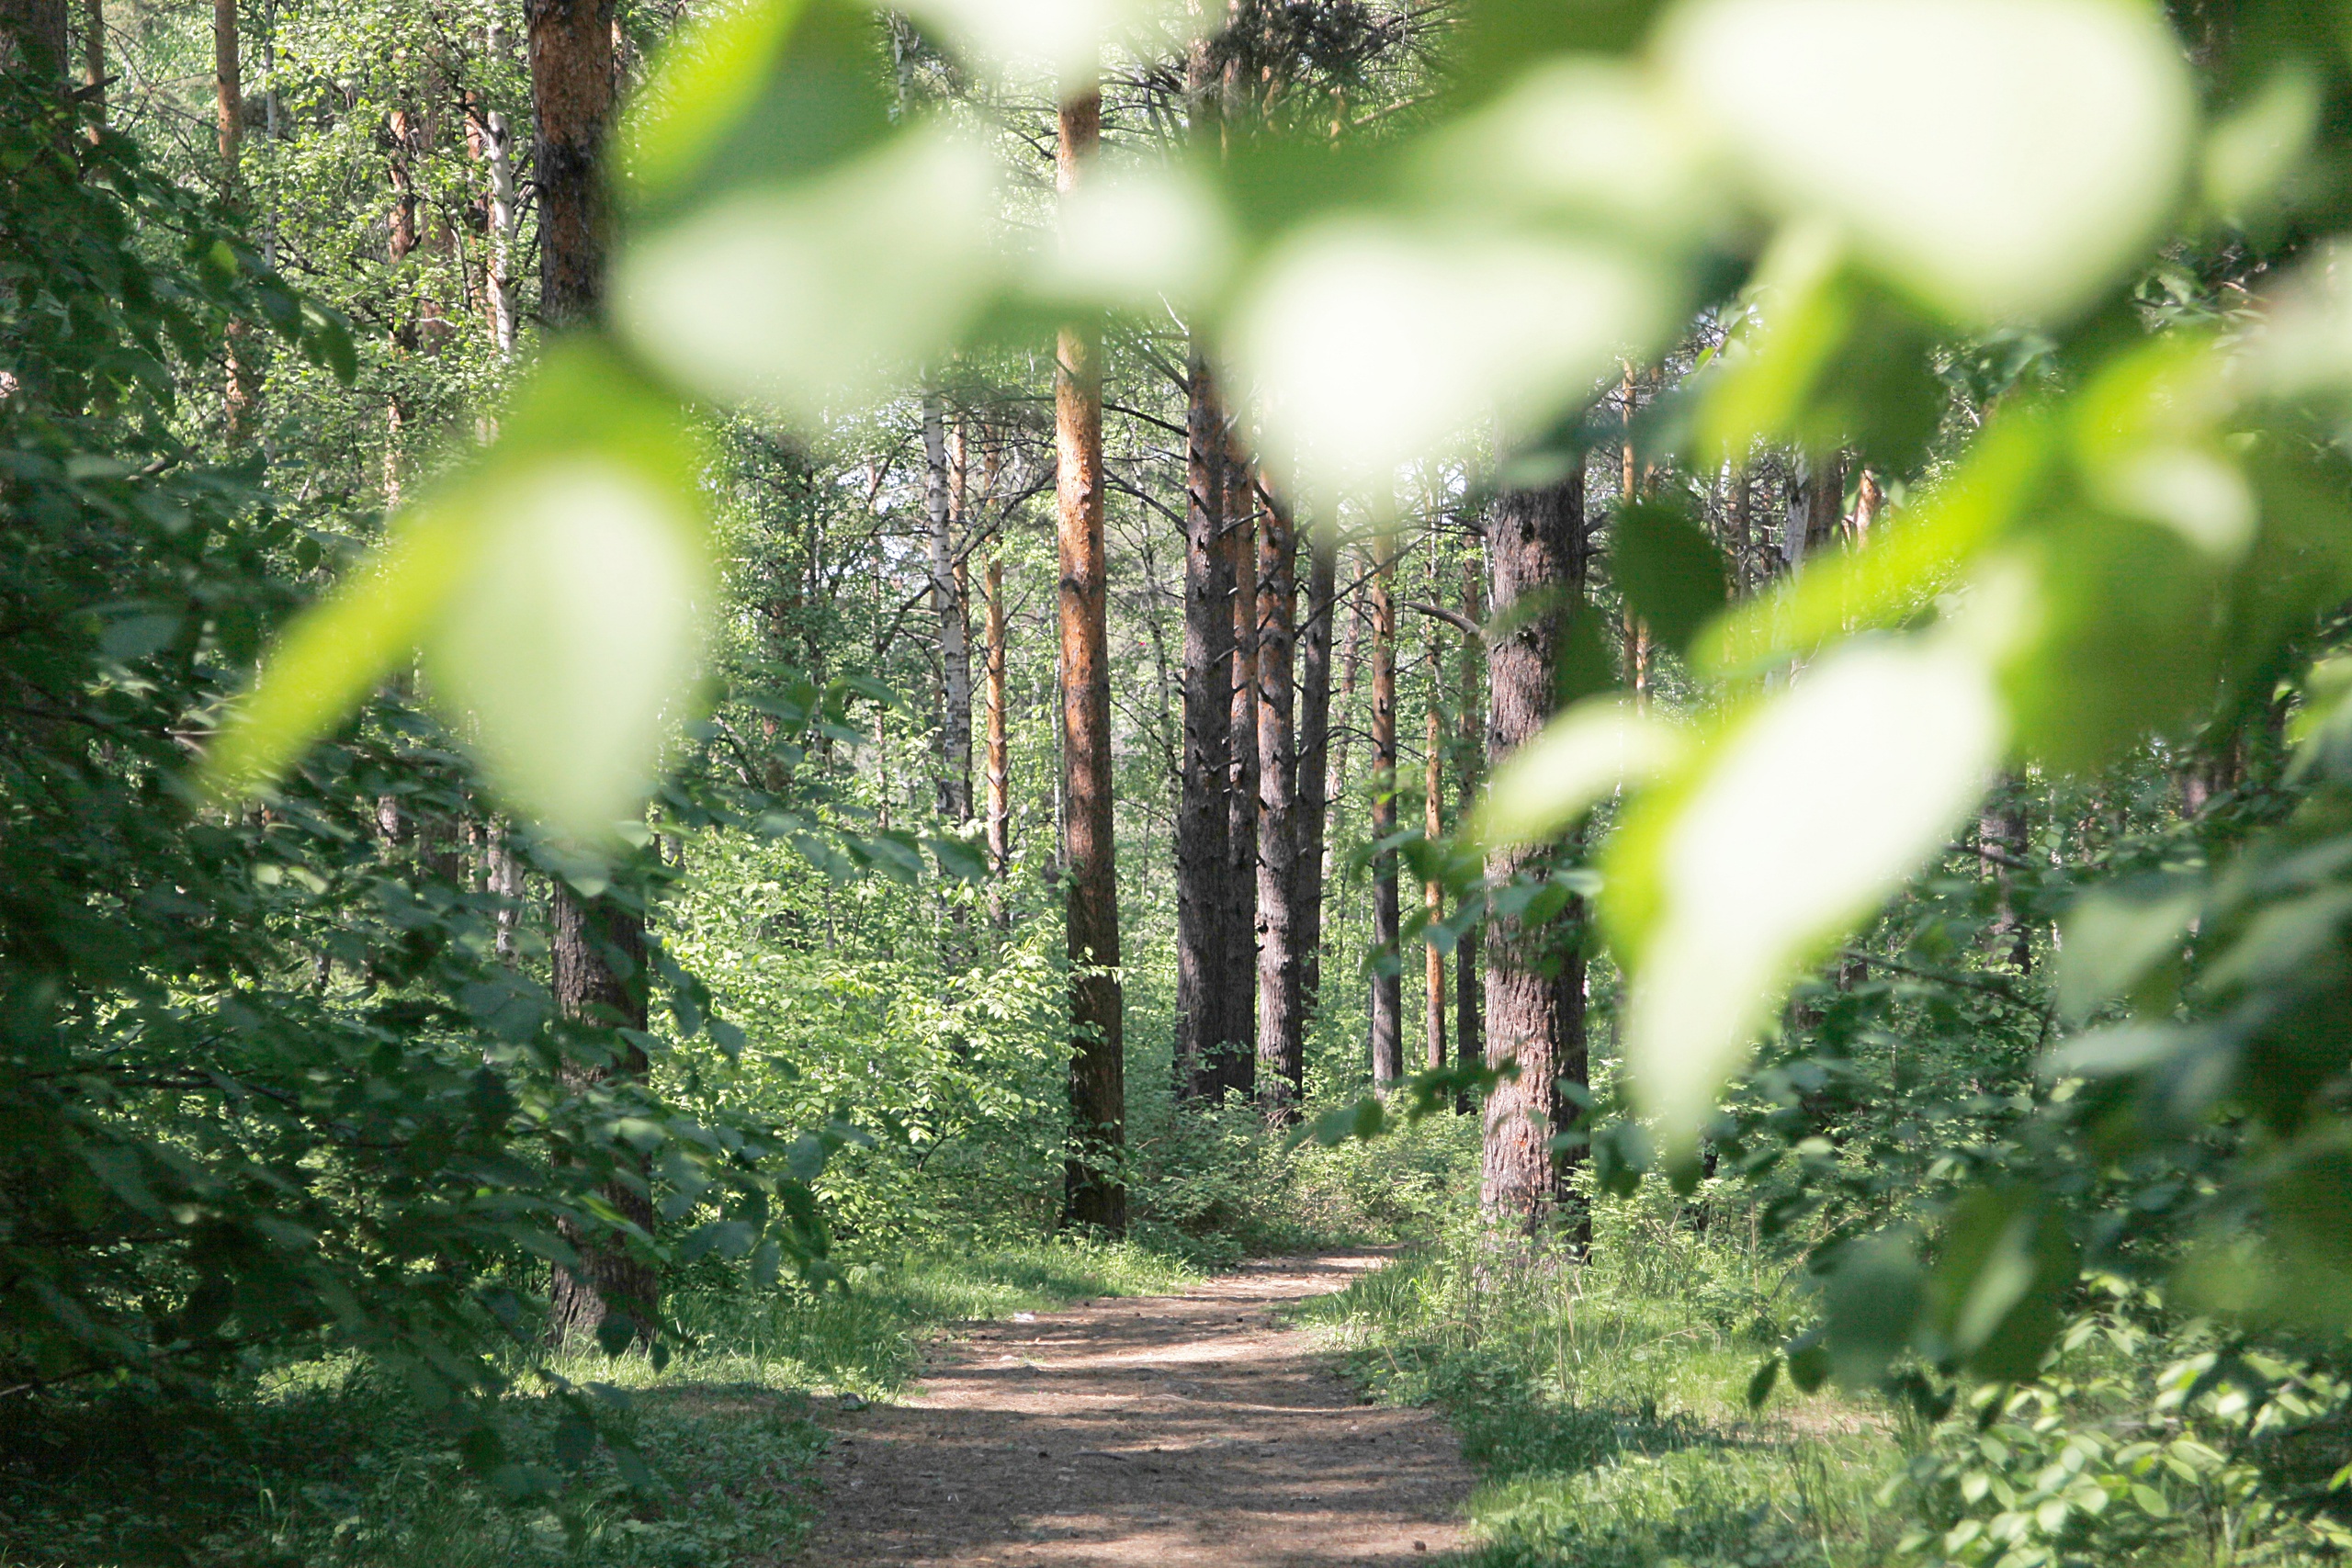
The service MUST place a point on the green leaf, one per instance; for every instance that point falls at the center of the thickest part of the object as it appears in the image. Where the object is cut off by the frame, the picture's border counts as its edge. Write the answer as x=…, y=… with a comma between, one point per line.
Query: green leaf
x=1671, y=573
x=2004, y=1260
x=1862, y=770
x=1871, y=1302
x=2115, y=936
x=1760, y=1384
x=336, y=652
x=2027, y=208
x=1577, y=760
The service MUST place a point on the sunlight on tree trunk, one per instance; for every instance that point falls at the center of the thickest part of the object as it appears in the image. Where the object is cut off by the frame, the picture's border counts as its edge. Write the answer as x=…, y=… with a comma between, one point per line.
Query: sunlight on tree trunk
x=1094, y=1193
x=1388, y=984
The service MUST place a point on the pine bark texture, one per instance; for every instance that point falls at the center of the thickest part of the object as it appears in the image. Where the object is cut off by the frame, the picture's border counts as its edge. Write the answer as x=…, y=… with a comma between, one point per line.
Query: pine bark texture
x=1204, y=807
x=596, y=945
x=947, y=608
x=999, y=756
x=1281, y=1022
x=570, y=47
x=1237, y=1029
x=1315, y=756
x=1093, y=1194
x=599, y=973
x=1387, y=982
x=1434, y=890
x=239, y=391
x=1535, y=1014
x=1469, y=1043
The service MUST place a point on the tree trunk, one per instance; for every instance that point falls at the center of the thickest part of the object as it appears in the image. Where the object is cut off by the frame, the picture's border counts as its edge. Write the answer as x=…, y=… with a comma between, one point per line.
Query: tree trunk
x=1094, y=1194
x=35, y=37
x=93, y=62
x=1000, y=769
x=1205, y=810
x=496, y=140
x=1433, y=827
x=1470, y=747
x=599, y=972
x=1280, y=1043
x=1387, y=982
x=1534, y=974
x=239, y=390
x=1817, y=494
x=1314, y=759
x=947, y=605
x=597, y=944
x=1238, y=1030
x=2001, y=837
x=571, y=103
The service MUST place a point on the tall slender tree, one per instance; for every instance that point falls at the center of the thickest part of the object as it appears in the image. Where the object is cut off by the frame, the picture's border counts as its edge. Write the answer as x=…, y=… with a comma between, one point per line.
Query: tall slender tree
x=241, y=389
x=597, y=943
x=1237, y=1033
x=1433, y=827
x=1203, y=809
x=1536, y=1012
x=941, y=468
x=1387, y=982
x=1314, y=754
x=1280, y=1043
x=1094, y=1194
x=1469, y=1045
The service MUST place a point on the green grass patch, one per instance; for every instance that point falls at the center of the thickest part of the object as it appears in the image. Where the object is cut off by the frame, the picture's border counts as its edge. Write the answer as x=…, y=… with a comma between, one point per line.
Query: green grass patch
x=1604, y=1405
x=327, y=1464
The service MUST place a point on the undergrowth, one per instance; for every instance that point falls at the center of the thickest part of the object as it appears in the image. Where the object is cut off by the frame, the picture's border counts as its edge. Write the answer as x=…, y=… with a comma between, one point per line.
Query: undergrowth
x=1604, y=1405
x=330, y=1464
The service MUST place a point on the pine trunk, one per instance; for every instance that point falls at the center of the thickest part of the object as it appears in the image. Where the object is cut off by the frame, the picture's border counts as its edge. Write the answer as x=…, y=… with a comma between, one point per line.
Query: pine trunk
x=239, y=390
x=1280, y=1043
x=947, y=606
x=1238, y=1029
x=1469, y=1043
x=1534, y=974
x=1203, y=810
x=1433, y=827
x=1314, y=758
x=599, y=973
x=1387, y=982
x=595, y=943
x=999, y=767
x=1093, y=1195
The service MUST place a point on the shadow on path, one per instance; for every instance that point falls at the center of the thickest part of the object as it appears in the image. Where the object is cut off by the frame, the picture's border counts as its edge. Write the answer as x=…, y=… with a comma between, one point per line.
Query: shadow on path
x=1187, y=1429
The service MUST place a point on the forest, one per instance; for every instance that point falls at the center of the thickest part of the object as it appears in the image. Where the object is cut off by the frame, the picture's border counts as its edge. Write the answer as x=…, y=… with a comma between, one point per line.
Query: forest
x=1608, y=744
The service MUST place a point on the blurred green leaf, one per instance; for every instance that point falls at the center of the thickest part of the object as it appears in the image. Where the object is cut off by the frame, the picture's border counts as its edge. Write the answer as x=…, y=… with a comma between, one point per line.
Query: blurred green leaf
x=1668, y=570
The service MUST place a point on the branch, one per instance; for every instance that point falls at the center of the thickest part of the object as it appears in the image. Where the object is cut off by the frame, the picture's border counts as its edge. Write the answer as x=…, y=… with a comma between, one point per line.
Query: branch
x=1454, y=618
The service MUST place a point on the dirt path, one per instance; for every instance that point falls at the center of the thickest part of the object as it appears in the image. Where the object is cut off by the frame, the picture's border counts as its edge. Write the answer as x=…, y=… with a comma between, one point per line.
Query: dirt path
x=1161, y=1429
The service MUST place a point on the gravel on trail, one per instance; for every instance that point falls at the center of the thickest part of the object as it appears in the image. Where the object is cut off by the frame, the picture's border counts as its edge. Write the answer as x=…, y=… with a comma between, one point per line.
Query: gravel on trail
x=1191, y=1429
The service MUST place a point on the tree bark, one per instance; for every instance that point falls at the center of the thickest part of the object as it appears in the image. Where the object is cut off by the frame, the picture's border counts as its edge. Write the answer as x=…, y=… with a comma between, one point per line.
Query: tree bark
x=947, y=605
x=1314, y=759
x=93, y=63
x=1387, y=982
x=596, y=944
x=239, y=390
x=1205, y=810
x=570, y=47
x=1094, y=1192
x=35, y=37
x=1282, y=1023
x=1469, y=1045
x=1237, y=1029
x=1000, y=765
x=1535, y=1014
x=599, y=973
x=1433, y=827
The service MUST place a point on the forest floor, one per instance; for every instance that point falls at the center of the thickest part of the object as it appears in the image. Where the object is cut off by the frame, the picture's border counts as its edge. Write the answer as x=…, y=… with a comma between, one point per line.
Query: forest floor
x=1193, y=1428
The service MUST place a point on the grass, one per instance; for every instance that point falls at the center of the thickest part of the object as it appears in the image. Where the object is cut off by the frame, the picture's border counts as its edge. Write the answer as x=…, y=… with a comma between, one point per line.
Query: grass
x=1604, y=1405
x=326, y=1464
